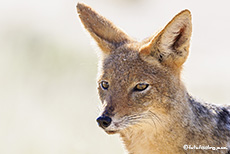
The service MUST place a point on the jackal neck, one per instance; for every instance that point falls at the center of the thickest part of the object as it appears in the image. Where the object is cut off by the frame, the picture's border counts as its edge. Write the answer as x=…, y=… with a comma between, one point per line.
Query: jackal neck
x=160, y=137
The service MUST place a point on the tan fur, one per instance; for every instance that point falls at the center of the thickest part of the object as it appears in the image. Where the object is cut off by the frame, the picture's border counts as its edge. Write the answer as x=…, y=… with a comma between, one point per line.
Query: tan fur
x=163, y=117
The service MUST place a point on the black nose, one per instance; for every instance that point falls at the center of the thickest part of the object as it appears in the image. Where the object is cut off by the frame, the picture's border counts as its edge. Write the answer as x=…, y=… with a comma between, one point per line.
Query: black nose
x=104, y=121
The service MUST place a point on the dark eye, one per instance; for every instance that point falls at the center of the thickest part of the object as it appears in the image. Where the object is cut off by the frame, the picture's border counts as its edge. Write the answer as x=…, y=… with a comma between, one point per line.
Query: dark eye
x=141, y=87
x=104, y=85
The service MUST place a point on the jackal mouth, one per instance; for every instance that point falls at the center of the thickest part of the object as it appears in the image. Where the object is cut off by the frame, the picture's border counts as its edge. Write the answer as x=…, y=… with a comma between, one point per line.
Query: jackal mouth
x=111, y=132
x=118, y=126
x=113, y=129
x=114, y=126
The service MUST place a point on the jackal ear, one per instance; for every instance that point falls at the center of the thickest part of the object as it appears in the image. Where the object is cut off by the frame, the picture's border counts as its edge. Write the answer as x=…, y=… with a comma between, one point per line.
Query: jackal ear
x=104, y=32
x=171, y=45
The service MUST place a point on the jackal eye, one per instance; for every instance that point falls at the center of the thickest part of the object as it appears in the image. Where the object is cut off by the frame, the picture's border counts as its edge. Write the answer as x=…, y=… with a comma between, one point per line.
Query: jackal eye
x=141, y=87
x=104, y=85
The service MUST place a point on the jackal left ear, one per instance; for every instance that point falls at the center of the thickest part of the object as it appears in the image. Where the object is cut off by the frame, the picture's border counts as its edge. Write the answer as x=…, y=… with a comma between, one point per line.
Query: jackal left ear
x=104, y=32
x=171, y=45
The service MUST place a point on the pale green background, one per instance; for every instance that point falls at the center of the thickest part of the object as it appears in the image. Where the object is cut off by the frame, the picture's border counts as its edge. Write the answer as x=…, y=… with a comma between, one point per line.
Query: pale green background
x=48, y=98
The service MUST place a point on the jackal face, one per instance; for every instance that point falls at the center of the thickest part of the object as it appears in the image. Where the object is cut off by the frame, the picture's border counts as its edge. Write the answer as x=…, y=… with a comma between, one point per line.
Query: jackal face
x=137, y=79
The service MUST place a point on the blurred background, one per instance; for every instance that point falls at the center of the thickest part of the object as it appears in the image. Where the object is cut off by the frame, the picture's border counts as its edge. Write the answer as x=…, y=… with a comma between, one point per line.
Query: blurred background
x=48, y=97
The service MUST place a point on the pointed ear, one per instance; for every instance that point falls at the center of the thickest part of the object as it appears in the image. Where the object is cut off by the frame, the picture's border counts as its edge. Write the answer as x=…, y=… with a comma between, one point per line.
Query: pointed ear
x=105, y=33
x=171, y=46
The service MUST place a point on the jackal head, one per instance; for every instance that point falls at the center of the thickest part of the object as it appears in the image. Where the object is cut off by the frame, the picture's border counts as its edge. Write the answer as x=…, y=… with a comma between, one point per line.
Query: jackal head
x=138, y=81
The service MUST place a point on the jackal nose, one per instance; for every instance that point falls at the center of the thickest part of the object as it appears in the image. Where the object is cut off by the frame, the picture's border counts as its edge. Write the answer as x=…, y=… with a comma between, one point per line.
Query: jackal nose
x=104, y=121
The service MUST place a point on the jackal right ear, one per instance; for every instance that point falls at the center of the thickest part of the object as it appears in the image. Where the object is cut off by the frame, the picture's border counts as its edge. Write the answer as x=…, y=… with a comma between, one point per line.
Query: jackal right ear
x=104, y=32
x=171, y=45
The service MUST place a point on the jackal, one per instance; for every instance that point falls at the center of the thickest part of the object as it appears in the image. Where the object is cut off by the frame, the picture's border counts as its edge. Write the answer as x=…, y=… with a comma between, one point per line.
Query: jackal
x=143, y=97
